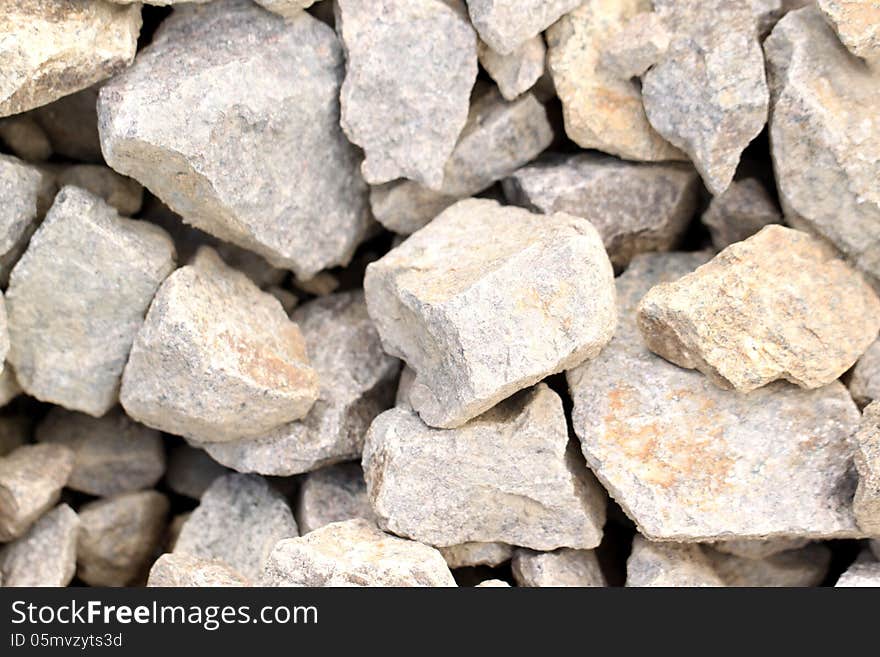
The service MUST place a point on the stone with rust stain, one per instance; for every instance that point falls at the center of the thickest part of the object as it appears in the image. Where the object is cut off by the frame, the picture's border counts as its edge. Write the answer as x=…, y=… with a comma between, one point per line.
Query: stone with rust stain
x=864, y=384
x=866, y=504
x=332, y=494
x=506, y=24
x=857, y=24
x=518, y=71
x=46, y=554
x=743, y=209
x=563, y=567
x=669, y=565
x=468, y=555
x=185, y=570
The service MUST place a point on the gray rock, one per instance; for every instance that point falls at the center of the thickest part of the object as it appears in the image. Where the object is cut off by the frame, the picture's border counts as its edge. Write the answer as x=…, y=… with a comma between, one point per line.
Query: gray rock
x=825, y=104
x=564, y=567
x=216, y=359
x=286, y=298
x=689, y=461
x=404, y=385
x=518, y=71
x=861, y=575
x=31, y=479
x=866, y=504
x=46, y=554
x=24, y=137
x=407, y=82
x=124, y=194
x=804, y=567
x=184, y=570
x=708, y=93
x=487, y=300
x=191, y=471
x=506, y=24
x=118, y=535
x=332, y=494
x=15, y=431
x=247, y=71
x=864, y=385
x=669, y=565
x=356, y=383
x=857, y=24
x=874, y=546
x=637, y=45
x=476, y=554
x=54, y=49
x=507, y=476
x=739, y=212
x=759, y=549
x=636, y=207
x=71, y=124
x=778, y=305
x=113, y=454
x=77, y=297
x=354, y=553
x=238, y=522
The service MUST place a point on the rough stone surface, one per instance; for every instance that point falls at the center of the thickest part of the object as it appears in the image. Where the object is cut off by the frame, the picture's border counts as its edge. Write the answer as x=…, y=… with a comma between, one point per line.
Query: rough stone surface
x=476, y=554
x=25, y=138
x=118, y=536
x=636, y=46
x=462, y=300
x=636, y=207
x=332, y=494
x=124, y=194
x=708, y=93
x=805, y=567
x=238, y=522
x=669, y=565
x=824, y=137
x=184, y=570
x=759, y=549
x=564, y=567
x=866, y=504
x=248, y=72
x=31, y=479
x=601, y=109
x=216, y=358
x=71, y=123
x=861, y=575
x=517, y=72
x=506, y=24
x=46, y=554
x=778, y=305
x=689, y=461
x=407, y=82
x=191, y=471
x=113, y=454
x=857, y=24
x=56, y=47
x=864, y=385
x=77, y=297
x=743, y=209
x=506, y=476
x=354, y=553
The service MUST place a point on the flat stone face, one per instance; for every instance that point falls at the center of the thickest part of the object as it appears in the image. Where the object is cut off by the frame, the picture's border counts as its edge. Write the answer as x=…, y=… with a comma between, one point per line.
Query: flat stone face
x=601, y=109
x=113, y=454
x=184, y=570
x=779, y=305
x=238, y=522
x=506, y=24
x=708, y=93
x=857, y=24
x=463, y=300
x=31, y=479
x=689, y=461
x=506, y=476
x=794, y=568
x=124, y=194
x=408, y=78
x=77, y=297
x=56, y=47
x=71, y=124
x=476, y=554
x=824, y=121
x=861, y=575
x=356, y=380
x=669, y=565
x=564, y=567
x=246, y=71
x=864, y=384
x=332, y=494
x=191, y=471
x=866, y=504
x=743, y=209
x=46, y=554
x=216, y=358
x=518, y=71
x=354, y=553
x=635, y=207
x=118, y=536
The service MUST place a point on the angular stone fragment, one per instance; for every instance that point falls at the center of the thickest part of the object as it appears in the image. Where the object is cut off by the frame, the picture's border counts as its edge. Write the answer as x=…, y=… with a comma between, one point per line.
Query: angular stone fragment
x=493, y=583
x=635, y=207
x=824, y=123
x=708, y=93
x=759, y=549
x=805, y=567
x=669, y=565
x=46, y=554
x=356, y=380
x=15, y=431
x=866, y=504
x=601, y=109
x=689, y=461
x=71, y=123
x=506, y=24
x=518, y=71
x=864, y=385
x=216, y=359
x=564, y=567
x=857, y=24
x=25, y=138
x=739, y=212
x=238, y=522
x=77, y=297
x=124, y=194
x=118, y=536
x=487, y=300
x=51, y=49
x=191, y=471
x=332, y=494
x=476, y=554
x=506, y=476
x=636, y=46
x=174, y=122
x=113, y=454
x=178, y=570
x=286, y=8
x=354, y=553
x=31, y=479
x=861, y=575
x=778, y=305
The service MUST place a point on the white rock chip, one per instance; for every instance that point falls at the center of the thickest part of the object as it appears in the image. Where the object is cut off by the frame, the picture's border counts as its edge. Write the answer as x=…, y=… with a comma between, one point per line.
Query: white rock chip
x=506, y=477
x=864, y=385
x=476, y=554
x=191, y=471
x=857, y=24
x=866, y=504
x=493, y=583
x=487, y=300
x=184, y=570
x=354, y=553
x=669, y=565
x=506, y=24
x=804, y=567
x=238, y=522
x=174, y=122
x=77, y=297
x=46, y=554
x=408, y=78
x=564, y=567
x=743, y=209
x=332, y=494
x=861, y=575
x=517, y=72
x=216, y=358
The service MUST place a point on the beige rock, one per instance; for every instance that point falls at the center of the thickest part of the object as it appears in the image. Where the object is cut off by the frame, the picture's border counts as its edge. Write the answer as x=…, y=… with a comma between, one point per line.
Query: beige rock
x=15, y=431
x=184, y=570
x=46, y=554
x=669, y=565
x=71, y=123
x=804, y=567
x=564, y=567
x=759, y=549
x=124, y=194
x=866, y=504
x=637, y=45
x=31, y=479
x=517, y=72
x=24, y=137
x=332, y=494
x=506, y=24
x=286, y=8
x=9, y=388
x=476, y=554
x=857, y=24
x=865, y=381
x=743, y=209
